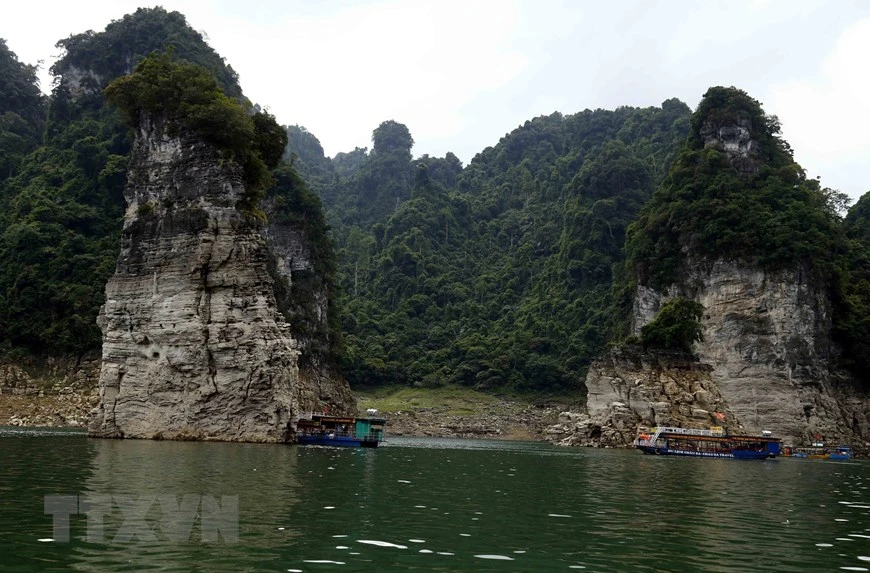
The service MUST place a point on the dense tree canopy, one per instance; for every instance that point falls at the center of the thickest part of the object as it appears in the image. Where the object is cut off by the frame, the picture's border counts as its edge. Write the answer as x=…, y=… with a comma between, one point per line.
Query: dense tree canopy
x=512, y=272
x=499, y=274
x=62, y=206
x=189, y=97
x=711, y=206
x=852, y=312
x=677, y=326
x=22, y=111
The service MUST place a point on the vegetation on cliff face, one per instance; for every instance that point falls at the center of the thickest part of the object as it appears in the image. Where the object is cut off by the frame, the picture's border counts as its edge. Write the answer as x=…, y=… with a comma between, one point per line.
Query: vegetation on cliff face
x=290, y=203
x=677, y=326
x=512, y=272
x=755, y=205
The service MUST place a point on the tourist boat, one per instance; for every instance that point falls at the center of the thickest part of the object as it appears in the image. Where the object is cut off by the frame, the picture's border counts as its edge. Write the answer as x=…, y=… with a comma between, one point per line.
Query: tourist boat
x=325, y=430
x=712, y=443
x=818, y=451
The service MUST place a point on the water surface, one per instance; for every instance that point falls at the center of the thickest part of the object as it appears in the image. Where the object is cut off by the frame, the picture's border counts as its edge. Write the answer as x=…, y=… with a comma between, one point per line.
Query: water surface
x=435, y=505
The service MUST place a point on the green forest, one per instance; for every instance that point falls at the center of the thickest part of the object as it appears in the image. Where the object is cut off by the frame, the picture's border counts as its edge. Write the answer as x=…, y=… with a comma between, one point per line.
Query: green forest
x=511, y=273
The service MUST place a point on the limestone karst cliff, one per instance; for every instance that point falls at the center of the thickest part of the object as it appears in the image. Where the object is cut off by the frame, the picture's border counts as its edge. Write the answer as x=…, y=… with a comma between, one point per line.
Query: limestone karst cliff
x=193, y=344
x=304, y=299
x=738, y=228
x=767, y=342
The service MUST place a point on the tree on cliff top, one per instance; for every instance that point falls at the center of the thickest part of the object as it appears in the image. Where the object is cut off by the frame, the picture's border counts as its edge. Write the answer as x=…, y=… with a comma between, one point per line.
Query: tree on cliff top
x=189, y=96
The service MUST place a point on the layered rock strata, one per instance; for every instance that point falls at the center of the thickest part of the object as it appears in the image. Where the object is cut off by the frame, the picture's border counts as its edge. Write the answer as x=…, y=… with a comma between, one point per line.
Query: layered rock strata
x=765, y=359
x=764, y=364
x=767, y=339
x=193, y=344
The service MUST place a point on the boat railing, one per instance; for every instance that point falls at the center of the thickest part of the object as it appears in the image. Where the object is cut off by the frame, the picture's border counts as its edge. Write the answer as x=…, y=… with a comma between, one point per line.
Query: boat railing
x=645, y=439
x=686, y=431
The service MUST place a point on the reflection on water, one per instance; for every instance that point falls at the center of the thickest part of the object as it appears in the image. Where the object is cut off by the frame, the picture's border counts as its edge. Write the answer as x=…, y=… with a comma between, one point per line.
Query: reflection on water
x=436, y=505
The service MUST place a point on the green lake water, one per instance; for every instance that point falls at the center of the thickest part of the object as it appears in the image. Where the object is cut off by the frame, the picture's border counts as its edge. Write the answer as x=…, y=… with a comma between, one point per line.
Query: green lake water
x=428, y=505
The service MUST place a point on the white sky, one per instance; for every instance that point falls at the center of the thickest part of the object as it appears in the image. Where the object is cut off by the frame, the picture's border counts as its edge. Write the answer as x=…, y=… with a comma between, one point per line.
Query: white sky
x=462, y=73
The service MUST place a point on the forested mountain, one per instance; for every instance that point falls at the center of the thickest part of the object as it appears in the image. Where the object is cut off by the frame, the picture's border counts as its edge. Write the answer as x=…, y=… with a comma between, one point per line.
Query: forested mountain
x=22, y=111
x=512, y=272
x=64, y=171
x=747, y=200
x=853, y=312
x=499, y=274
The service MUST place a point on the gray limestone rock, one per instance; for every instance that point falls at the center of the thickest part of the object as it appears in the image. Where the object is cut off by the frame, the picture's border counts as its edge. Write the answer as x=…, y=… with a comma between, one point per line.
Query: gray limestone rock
x=767, y=338
x=193, y=344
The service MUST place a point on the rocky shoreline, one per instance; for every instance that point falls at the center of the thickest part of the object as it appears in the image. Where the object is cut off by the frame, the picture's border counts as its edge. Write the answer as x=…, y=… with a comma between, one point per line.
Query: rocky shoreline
x=56, y=392
x=504, y=419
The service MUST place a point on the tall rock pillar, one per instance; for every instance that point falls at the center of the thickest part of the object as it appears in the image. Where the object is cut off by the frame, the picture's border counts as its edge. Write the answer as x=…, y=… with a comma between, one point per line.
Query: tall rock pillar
x=193, y=344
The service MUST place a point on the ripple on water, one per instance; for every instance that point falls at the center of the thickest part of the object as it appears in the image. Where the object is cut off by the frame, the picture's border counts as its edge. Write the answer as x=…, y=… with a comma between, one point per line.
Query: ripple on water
x=495, y=557
x=377, y=543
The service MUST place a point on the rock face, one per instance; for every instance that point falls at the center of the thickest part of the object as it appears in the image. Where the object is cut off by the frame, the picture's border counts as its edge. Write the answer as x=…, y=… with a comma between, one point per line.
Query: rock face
x=320, y=385
x=763, y=365
x=735, y=138
x=56, y=374
x=767, y=339
x=765, y=360
x=628, y=388
x=193, y=344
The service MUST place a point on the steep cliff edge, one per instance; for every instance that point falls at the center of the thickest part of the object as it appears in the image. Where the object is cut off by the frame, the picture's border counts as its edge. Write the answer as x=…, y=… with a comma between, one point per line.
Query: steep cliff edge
x=303, y=298
x=629, y=387
x=193, y=344
x=738, y=230
x=767, y=340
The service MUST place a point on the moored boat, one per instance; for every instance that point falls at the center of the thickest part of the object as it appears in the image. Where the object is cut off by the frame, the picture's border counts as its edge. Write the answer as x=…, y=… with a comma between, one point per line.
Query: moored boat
x=325, y=430
x=818, y=451
x=712, y=443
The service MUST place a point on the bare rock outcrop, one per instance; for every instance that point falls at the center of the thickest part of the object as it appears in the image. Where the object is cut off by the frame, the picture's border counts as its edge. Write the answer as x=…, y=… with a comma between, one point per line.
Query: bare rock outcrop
x=306, y=300
x=193, y=344
x=767, y=340
x=628, y=388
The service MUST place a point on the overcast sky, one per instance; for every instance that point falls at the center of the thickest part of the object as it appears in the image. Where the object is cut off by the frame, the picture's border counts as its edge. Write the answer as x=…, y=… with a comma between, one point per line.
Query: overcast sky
x=462, y=73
